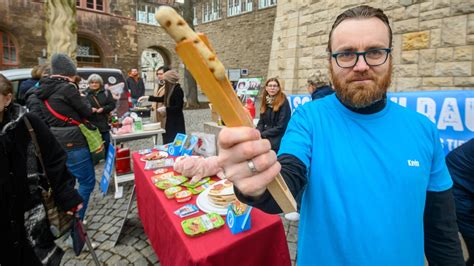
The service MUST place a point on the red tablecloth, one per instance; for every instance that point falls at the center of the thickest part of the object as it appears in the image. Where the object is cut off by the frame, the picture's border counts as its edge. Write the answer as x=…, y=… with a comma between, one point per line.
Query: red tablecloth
x=264, y=244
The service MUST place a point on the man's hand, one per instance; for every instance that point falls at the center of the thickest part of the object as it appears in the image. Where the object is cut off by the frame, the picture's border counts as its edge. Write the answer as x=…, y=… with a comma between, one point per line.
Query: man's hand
x=247, y=160
x=142, y=99
x=94, y=110
x=100, y=110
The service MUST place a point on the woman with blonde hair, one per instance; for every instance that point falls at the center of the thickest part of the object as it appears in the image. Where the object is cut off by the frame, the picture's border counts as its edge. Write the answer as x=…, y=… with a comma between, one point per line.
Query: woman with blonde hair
x=275, y=113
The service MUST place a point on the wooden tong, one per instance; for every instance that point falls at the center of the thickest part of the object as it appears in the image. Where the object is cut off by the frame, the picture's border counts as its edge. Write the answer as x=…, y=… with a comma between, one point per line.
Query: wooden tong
x=200, y=59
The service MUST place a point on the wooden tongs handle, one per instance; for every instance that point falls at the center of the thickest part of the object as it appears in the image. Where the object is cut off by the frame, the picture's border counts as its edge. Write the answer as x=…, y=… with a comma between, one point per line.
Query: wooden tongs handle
x=207, y=70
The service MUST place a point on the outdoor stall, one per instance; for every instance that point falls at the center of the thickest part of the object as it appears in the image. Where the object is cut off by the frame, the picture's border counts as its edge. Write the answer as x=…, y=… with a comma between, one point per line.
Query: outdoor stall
x=264, y=243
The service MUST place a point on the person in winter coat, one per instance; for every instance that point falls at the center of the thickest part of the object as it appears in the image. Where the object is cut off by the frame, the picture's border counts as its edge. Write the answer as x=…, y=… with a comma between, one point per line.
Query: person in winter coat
x=32, y=103
x=318, y=86
x=32, y=244
x=102, y=104
x=159, y=91
x=135, y=85
x=275, y=113
x=173, y=109
x=36, y=74
x=62, y=95
x=460, y=162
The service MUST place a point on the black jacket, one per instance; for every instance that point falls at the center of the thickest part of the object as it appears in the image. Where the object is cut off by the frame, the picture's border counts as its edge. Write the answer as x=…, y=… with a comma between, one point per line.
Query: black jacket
x=272, y=125
x=65, y=99
x=137, y=88
x=174, y=114
x=321, y=92
x=15, y=198
x=101, y=99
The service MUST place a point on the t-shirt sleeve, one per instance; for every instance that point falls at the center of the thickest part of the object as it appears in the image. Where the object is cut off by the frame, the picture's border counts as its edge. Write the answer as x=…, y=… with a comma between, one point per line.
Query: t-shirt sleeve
x=298, y=139
x=440, y=180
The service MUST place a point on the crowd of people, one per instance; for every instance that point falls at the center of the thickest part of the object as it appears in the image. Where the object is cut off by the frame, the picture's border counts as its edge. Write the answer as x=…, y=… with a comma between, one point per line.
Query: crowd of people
x=367, y=193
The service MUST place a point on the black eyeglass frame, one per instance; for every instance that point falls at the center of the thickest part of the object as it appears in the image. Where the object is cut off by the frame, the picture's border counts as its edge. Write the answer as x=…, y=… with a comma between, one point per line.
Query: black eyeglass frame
x=358, y=54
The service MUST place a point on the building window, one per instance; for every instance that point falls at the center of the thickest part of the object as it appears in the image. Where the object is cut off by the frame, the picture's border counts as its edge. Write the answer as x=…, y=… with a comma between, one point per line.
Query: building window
x=236, y=7
x=266, y=3
x=98, y=5
x=9, y=53
x=211, y=10
x=195, y=19
x=87, y=53
x=146, y=14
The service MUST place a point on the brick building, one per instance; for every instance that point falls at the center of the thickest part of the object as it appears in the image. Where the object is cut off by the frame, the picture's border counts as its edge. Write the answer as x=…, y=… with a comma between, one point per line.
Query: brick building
x=124, y=34
x=433, y=40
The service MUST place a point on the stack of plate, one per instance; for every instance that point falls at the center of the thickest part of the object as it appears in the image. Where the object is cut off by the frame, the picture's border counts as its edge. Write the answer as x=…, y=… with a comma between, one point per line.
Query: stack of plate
x=221, y=194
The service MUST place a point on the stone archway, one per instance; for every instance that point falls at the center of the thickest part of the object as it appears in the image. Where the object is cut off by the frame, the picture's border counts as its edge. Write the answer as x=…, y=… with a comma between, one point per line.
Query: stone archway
x=151, y=59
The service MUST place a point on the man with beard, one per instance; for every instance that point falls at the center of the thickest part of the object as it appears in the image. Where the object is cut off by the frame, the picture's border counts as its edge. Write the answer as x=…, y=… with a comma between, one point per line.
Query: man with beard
x=371, y=174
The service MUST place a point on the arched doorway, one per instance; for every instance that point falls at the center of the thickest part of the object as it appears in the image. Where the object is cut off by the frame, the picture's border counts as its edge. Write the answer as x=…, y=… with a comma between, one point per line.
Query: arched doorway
x=88, y=53
x=151, y=59
x=8, y=51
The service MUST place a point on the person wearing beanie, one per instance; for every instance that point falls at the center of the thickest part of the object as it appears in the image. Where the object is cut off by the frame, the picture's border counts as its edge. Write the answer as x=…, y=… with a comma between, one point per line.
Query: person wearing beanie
x=63, y=97
x=173, y=106
x=319, y=86
x=135, y=85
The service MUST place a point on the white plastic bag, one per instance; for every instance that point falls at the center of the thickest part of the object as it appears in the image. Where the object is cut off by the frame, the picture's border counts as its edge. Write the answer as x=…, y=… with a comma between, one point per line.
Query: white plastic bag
x=206, y=145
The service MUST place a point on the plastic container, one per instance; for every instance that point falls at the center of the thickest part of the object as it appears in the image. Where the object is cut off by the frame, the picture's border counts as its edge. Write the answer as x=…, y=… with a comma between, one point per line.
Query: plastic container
x=122, y=161
x=183, y=196
x=202, y=224
x=171, y=192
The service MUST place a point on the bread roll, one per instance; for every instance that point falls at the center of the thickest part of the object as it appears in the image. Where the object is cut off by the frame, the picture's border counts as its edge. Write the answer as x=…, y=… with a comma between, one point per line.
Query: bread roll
x=179, y=30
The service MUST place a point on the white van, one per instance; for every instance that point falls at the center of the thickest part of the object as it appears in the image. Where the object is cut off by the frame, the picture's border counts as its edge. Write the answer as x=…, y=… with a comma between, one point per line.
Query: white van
x=113, y=81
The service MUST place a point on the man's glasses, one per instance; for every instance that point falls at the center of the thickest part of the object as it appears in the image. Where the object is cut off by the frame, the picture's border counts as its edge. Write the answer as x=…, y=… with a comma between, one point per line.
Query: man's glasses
x=372, y=57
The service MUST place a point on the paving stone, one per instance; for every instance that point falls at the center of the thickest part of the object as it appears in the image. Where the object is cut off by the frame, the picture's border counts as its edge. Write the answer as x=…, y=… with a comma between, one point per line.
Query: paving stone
x=141, y=261
x=153, y=258
x=105, y=256
x=114, y=259
x=112, y=230
x=105, y=227
x=101, y=237
x=140, y=244
x=147, y=251
x=94, y=226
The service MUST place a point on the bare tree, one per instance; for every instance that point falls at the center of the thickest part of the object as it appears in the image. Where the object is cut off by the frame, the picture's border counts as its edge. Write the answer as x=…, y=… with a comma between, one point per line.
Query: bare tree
x=190, y=86
x=61, y=27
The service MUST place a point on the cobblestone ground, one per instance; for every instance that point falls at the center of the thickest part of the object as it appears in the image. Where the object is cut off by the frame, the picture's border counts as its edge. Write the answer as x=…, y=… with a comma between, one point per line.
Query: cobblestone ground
x=105, y=215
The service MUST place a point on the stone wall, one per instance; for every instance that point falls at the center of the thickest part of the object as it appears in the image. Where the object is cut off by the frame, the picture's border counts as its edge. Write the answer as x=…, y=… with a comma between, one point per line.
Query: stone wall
x=433, y=42
x=114, y=34
x=24, y=21
x=241, y=41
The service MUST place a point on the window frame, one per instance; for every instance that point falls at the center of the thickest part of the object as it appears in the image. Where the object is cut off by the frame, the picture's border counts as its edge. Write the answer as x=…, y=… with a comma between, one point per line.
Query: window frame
x=262, y=4
x=96, y=47
x=147, y=14
x=13, y=43
x=82, y=4
x=211, y=11
x=237, y=7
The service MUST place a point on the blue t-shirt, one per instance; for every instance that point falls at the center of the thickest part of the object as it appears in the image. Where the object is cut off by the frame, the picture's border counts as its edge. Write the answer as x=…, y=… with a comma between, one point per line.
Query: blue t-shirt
x=367, y=181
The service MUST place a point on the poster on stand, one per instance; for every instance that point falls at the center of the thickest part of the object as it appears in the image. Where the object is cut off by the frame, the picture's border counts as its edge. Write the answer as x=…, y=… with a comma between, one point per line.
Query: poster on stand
x=248, y=87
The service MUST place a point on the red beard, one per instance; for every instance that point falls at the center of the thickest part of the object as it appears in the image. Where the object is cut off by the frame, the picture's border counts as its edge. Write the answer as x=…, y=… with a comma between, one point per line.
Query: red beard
x=361, y=95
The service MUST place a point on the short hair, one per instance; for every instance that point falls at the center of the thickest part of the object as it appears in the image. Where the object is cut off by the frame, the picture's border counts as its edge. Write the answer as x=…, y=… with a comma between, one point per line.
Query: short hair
x=6, y=86
x=165, y=68
x=37, y=71
x=361, y=12
x=318, y=79
x=95, y=78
